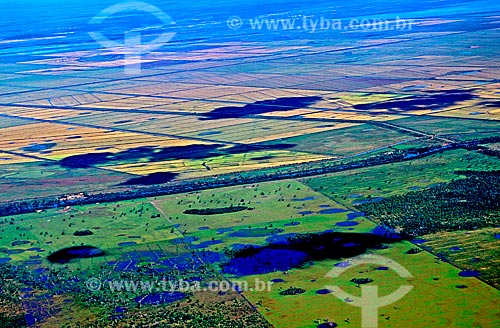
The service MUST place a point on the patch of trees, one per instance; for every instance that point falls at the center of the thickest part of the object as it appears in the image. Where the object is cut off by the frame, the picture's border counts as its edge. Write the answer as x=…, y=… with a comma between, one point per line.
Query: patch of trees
x=83, y=233
x=465, y=204
x=213, y=211
x=413, y=251
x=8, y=321
x=292, y=291
x=361, y=281
x=469, y=173
x=490, y=152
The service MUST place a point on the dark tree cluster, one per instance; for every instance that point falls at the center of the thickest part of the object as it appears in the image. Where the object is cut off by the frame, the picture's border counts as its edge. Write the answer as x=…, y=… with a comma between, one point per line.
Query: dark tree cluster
x=465, y=204
x=213, y=211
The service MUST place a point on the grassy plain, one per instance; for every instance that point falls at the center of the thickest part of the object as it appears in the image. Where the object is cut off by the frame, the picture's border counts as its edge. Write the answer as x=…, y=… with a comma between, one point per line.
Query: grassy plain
x=366, y=184
x=158, y=225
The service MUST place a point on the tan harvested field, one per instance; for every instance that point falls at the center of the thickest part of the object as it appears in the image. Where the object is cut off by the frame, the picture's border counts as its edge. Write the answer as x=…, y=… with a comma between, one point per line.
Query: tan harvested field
x=221, y=164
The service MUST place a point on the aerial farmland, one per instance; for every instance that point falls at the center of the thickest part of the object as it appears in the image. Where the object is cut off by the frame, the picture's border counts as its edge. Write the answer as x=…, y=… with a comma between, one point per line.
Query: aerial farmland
x=273, y=164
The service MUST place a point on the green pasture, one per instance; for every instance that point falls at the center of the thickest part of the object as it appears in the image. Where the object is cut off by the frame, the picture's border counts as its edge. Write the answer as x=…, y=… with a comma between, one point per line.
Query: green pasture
x=472, y=250
x=347, y=141
x=111, y=224
x=435, y=294
x=454, y=127
x=353, y=186
x=156, y=223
